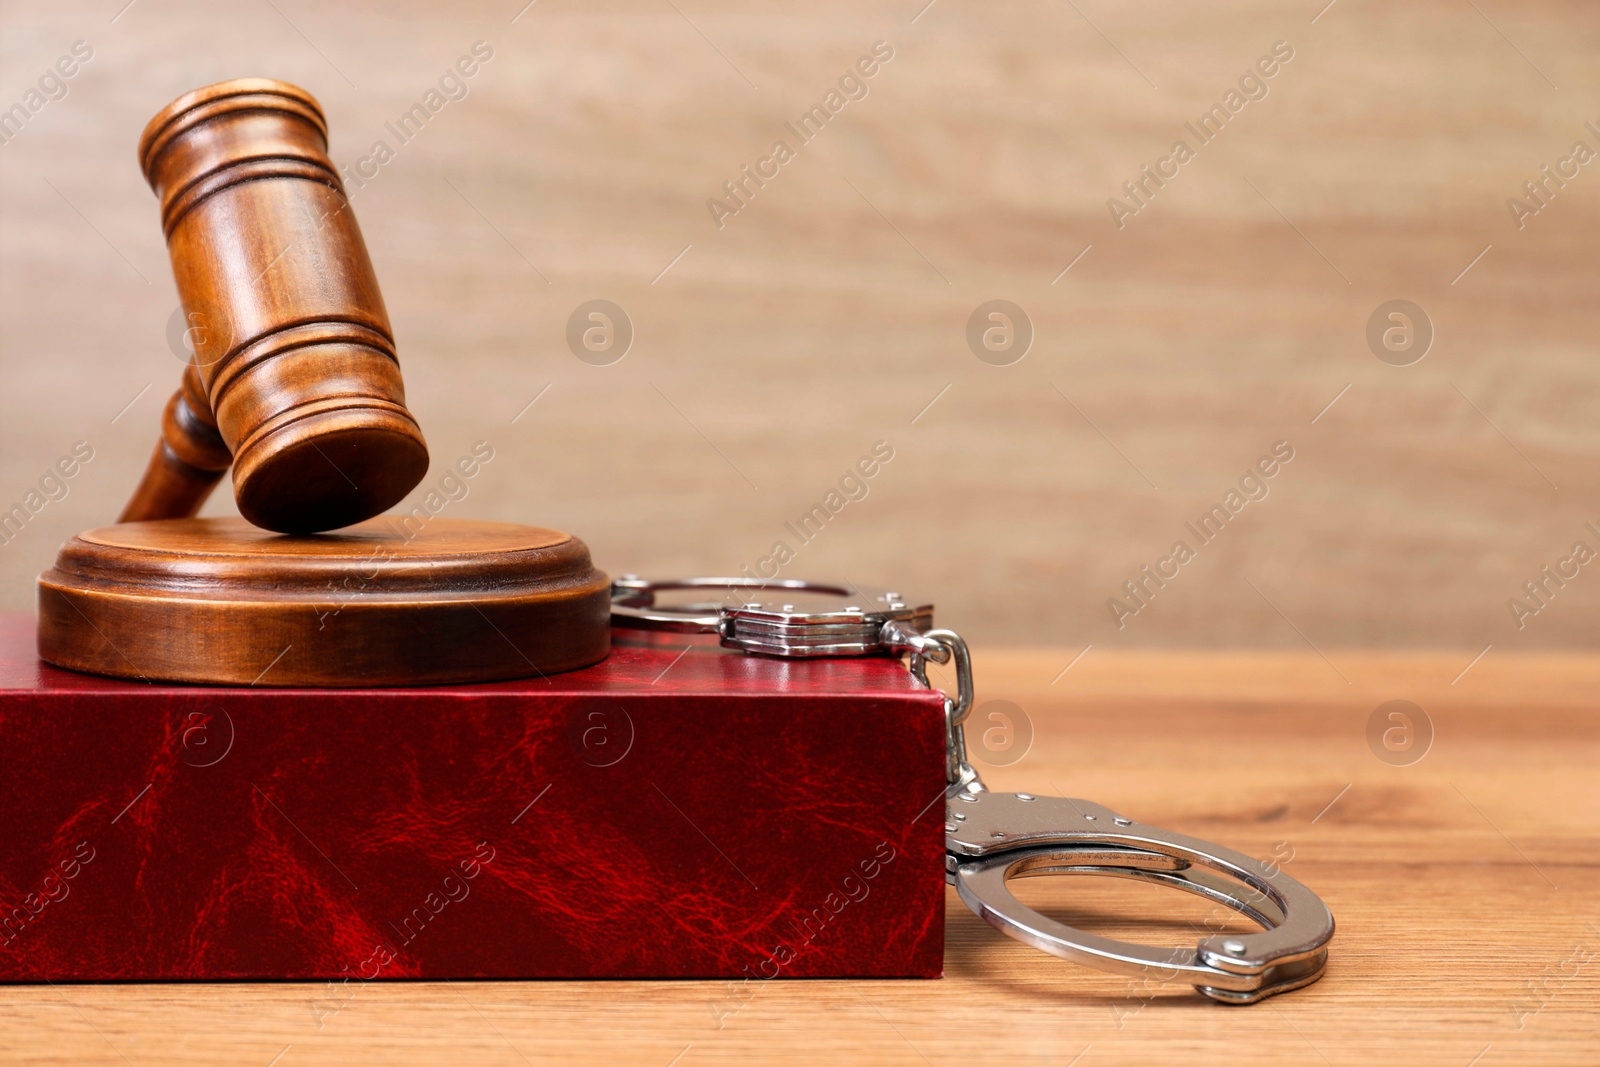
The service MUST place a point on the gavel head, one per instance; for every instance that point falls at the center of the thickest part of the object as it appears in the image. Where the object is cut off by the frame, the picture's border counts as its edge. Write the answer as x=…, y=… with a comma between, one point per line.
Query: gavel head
x=291, y=341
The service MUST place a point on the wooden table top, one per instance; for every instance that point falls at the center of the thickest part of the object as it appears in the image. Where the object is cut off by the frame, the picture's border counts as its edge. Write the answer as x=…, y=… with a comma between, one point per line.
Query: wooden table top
x=1466, y=933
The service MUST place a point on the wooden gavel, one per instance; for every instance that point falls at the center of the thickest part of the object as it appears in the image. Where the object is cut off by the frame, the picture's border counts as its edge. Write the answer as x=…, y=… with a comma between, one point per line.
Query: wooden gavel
x=293, y=378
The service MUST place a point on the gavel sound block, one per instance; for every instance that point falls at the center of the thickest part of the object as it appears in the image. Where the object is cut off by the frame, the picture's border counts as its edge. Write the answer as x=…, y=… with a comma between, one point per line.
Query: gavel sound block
x=295, y=381
x=221, y=602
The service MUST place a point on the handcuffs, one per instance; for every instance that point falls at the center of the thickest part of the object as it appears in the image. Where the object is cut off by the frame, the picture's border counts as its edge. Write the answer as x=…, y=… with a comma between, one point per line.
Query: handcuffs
x=990, y=837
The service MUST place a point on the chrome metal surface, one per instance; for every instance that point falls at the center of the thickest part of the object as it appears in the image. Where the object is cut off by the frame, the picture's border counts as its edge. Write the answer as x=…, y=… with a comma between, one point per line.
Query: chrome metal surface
x=993, y=837
x=763, y=616
x=947, y=646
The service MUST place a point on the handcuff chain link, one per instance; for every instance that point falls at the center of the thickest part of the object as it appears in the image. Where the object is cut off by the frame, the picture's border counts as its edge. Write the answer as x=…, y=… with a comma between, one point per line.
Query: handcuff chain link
x=942, y=646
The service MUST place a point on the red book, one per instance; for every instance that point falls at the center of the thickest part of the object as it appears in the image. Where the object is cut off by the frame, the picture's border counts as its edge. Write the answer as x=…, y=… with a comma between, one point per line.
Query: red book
x=677, y=810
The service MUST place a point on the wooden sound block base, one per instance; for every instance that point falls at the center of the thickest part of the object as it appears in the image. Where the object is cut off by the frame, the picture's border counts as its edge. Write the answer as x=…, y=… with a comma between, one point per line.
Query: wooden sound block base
x=220, y=602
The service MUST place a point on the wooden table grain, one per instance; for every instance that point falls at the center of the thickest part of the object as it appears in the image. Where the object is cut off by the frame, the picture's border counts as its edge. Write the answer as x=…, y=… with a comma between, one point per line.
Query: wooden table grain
x=1467, y=934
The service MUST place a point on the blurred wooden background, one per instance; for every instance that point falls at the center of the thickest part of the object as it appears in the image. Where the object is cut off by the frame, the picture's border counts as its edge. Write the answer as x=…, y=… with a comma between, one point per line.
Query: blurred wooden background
x=770, y=354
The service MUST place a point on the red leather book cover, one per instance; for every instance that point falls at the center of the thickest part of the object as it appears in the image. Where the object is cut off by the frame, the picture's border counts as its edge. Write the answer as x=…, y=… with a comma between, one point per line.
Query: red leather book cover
x=677, y=810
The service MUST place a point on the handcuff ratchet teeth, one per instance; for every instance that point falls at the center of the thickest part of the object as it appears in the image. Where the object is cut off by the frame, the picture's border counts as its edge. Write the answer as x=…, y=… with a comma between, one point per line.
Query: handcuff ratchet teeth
x=990, y=837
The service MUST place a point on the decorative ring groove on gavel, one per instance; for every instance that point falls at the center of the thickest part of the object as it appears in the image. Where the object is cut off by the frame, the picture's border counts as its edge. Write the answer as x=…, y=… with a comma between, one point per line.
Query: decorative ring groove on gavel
x=227, y=154
x=294, y=371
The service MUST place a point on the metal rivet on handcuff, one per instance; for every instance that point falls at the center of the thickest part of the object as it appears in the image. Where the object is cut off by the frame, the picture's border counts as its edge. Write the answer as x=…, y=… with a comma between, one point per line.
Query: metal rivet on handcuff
x=991, y=838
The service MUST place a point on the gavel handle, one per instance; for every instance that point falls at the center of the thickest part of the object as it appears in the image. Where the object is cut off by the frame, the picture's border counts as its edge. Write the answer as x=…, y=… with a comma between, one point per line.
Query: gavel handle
x=189, y=460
